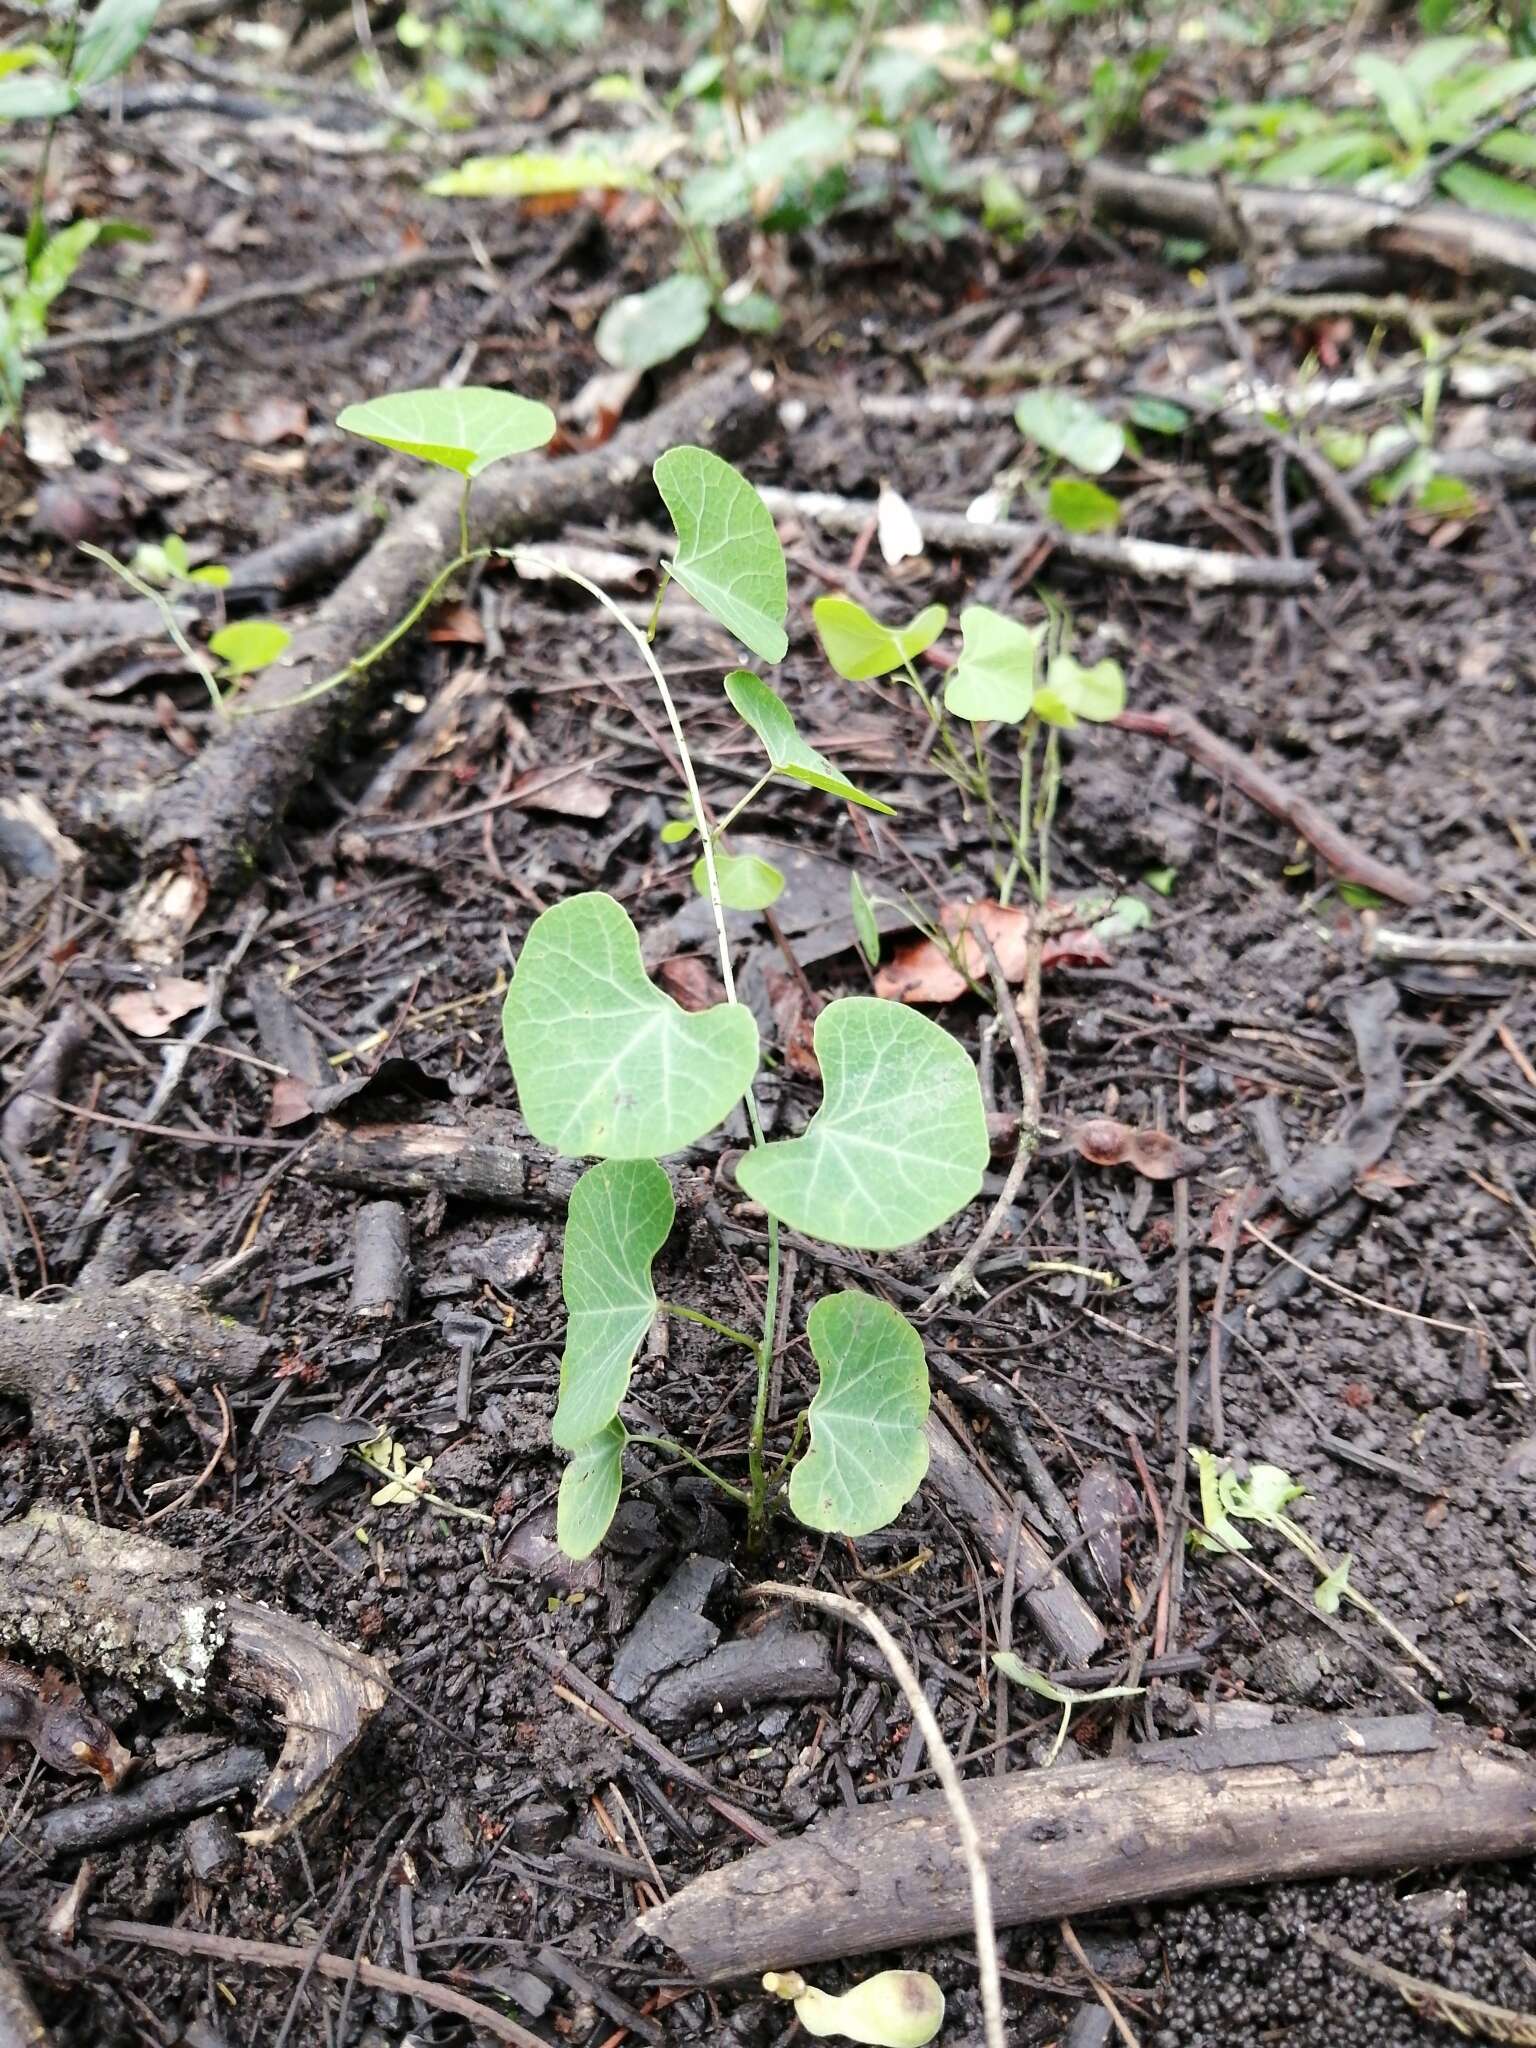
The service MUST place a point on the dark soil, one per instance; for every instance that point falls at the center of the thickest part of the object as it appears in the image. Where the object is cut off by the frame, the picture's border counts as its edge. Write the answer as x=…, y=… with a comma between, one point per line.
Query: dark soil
x=495, y=1832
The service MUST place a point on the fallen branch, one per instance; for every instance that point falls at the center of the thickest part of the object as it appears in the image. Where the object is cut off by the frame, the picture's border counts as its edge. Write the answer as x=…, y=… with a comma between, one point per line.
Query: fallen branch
x=1153, y=560
x=180, y=1793
x=78, y=1361
x=1351, y=863
x=224, y=803
x=110, y=1601
x=1242, y=217
x=1304, y=1800
x=271, y=1955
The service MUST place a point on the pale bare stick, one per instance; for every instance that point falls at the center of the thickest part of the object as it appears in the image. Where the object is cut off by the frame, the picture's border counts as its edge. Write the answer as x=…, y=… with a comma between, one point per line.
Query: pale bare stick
x=944, y=1769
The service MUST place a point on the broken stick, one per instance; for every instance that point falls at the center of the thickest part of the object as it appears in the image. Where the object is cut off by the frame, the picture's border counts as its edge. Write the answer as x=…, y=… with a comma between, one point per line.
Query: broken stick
x=1351, y=863
x=1311, y=1799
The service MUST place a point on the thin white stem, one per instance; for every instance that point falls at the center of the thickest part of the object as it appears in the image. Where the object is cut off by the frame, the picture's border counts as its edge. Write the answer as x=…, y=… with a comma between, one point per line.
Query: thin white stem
x=944, y=1768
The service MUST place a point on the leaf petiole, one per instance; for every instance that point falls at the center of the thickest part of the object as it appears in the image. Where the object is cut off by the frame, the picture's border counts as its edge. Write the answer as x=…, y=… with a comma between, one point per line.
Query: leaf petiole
x=665, y=1443
x=694, y=1315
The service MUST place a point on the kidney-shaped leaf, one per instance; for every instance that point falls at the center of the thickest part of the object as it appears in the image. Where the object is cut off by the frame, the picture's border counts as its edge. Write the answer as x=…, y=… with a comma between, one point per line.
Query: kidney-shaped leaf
x=646, y=328
x=770, y=718
x=728, y=555
x=606, y=1064
x=465, y=431
x=619, y=1215
x=868, y=1453
x=899, y=1142
x=589, y=1491
x=1069, y=427
x=745, y=881
x=246, y=645
x=995, y=675
x=1072, y=692
x=860, y=648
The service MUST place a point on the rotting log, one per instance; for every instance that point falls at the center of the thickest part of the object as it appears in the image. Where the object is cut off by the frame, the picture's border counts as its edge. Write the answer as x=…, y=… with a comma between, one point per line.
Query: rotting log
x=1309, y=1799
x=115, y=1602
x=219, y=809
x=84, y=1358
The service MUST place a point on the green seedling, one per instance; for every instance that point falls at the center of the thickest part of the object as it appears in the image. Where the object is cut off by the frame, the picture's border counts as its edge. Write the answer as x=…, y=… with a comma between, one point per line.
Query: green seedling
x=609, y=1068
x=167, y=563
x=897, y=2009
x=46, y=81
x=1018, y=1672
x=1262, y=1496
x=1420, y=108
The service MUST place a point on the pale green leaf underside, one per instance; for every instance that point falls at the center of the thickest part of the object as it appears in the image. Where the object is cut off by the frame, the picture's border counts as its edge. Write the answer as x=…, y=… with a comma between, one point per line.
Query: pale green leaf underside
x=860, y=648
x=745, y=881
x=605, y=1064
x=868, y=1452
x=770, y=718
x=589, y=1491
x=646, y=328
x=994, y=679
x=619, y=1215
x=1069, y=427
x=899, y=1143
x=465, y=431
x=246, y=645
x=534, y=174
x=728, y=555
x=1072, y=692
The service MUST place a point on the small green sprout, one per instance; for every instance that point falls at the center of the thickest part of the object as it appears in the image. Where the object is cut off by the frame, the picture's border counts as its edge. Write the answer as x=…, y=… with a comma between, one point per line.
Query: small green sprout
x=1015, y=1669
x=897, y=2009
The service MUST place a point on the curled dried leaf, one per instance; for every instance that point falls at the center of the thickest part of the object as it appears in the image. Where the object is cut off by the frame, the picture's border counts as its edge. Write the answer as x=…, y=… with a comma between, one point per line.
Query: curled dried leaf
x=55, y=1720
x=1156, y=1155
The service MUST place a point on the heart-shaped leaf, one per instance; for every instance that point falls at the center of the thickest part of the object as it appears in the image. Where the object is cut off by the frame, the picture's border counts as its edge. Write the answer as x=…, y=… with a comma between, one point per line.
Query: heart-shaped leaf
x=899, y=1142
x=1072, y=692
x=745, y=881
x=1081, y=507
x=606, y=1064
x=465, y=430
x=995, y=675
x=868, y=1453
x=619, y=1215
x=860, y=648
x=589, y=1491
x=770, y=718
x=646, y=328
x=249, y=644
x=1069, y=427
x=728, y=555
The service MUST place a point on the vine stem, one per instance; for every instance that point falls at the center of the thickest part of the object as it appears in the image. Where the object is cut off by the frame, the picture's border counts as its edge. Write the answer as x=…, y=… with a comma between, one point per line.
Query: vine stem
x=944, y=1769
x=758, y=1501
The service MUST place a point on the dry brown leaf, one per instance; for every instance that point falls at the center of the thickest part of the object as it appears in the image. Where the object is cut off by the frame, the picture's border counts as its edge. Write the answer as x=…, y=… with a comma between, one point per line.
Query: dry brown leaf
x=923, y=973
x=269, y=421
x=1156, y=1155
x=150, y=1012
x=573, y=792
x=690, y=982
x=457, y=625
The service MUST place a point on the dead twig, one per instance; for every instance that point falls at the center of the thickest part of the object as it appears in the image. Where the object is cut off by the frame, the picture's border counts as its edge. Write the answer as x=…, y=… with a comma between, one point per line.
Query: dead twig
x=21, y=2024
x=271, y=1955
x=1470, y=952
x=1435, y=2002
x=1153, y=560
x=966, y=1834
x=1351, y=863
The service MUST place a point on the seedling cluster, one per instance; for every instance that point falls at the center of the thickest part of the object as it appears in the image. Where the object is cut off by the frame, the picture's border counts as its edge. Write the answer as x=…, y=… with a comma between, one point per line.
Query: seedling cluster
x=609, y=1068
